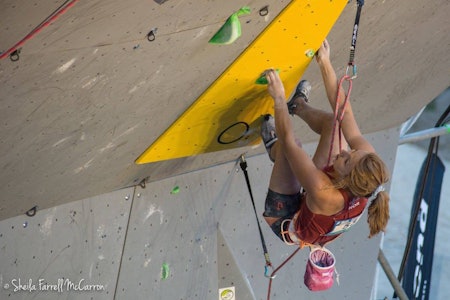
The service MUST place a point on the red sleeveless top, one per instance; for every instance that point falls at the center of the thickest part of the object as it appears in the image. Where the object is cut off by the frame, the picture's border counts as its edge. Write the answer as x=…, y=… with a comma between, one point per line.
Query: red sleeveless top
x=320, y=229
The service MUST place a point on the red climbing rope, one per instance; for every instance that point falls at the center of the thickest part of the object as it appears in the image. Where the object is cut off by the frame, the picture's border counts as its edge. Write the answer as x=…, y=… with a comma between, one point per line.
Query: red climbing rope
x=36, y=30
x=272, y=276
x=351, y=63
x=339, y=113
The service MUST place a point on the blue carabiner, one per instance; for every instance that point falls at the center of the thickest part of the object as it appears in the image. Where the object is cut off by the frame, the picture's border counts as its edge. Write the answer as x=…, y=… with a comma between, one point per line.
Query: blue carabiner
x=354, y=70
x=266, y=272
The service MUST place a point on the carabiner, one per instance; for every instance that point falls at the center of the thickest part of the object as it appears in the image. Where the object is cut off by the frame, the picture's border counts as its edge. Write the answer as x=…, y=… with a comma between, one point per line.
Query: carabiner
x=354, y=70
x=266, y=272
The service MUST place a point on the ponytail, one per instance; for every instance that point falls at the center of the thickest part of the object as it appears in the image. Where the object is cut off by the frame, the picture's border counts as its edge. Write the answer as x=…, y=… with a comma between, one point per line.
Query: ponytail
x=378, y=213
x=366, y=179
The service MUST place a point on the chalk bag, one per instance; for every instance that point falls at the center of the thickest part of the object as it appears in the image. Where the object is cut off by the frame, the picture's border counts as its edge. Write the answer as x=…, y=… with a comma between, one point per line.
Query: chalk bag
x=320, y=270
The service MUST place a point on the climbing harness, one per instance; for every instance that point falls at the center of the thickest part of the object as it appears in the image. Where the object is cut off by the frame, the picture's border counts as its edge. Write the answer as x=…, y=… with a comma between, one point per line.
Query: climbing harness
x=243, y=164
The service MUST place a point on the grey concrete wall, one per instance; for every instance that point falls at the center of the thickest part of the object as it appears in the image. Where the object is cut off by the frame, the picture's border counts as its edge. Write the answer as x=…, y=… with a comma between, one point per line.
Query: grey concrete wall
x=184, y=237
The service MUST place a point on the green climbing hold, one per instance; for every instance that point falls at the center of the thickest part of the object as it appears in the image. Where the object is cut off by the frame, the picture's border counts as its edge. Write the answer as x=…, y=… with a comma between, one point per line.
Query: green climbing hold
x=165, y=272
x=175, y=190
x=231, y=30
x=262, y=79
x=310, y=53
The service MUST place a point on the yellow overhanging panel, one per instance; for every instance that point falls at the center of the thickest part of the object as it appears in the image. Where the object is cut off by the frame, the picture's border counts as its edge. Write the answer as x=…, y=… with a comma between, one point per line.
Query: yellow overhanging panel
x=228, y=114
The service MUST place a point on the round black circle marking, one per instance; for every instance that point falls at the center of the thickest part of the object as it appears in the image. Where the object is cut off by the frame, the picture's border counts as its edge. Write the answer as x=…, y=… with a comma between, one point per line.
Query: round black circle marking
x=224, y=139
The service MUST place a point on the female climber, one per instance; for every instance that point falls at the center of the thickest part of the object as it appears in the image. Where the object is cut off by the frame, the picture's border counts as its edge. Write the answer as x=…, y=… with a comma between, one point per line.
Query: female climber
x=308, y=201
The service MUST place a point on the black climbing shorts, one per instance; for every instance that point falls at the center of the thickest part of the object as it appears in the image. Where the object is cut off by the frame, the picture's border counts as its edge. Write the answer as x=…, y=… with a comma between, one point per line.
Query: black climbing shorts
x=282, y=207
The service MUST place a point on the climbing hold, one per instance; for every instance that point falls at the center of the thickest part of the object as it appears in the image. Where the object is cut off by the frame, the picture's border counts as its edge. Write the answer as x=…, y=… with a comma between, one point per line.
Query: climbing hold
x=310, y=53
x=231, y=30
x=165, y=272
x=262, y=78
x=175, y=190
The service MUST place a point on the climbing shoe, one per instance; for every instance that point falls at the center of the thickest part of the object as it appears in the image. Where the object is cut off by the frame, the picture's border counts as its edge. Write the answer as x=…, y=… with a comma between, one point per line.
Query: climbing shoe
x=303, y=90
x=268, y=134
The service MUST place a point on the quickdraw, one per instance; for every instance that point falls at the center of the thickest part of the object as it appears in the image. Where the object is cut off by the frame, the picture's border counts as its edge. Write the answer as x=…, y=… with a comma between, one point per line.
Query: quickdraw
x=351, y=61
x=243, y=164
